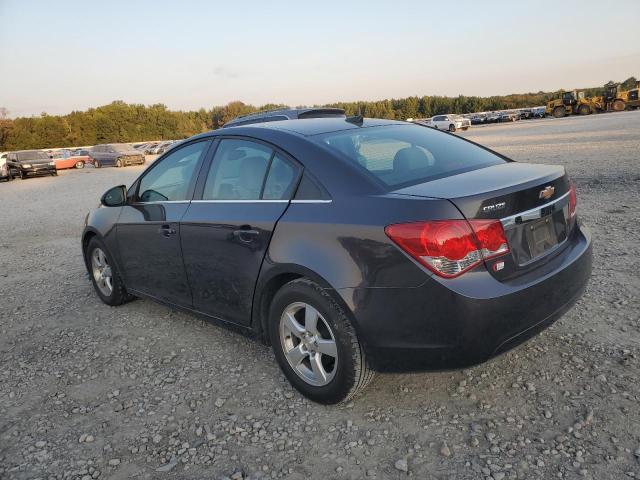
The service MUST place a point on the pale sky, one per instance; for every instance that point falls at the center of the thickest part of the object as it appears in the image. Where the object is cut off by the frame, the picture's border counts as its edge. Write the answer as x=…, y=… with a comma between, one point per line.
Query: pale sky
x=57, y=56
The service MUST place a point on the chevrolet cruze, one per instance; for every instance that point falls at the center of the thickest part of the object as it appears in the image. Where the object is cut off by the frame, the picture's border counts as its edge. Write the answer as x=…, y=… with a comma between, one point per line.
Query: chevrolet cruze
x=349, y=245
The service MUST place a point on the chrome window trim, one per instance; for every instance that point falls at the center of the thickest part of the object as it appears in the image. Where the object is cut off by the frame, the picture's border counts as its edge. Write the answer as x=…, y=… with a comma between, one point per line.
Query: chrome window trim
x=159, y=202
x=239, y=201
x=532, y=214
x=230, y=201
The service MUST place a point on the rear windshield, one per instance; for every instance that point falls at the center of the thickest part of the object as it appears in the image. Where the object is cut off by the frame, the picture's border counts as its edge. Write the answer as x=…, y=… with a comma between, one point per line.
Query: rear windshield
x=402, y=155
x=31, y=155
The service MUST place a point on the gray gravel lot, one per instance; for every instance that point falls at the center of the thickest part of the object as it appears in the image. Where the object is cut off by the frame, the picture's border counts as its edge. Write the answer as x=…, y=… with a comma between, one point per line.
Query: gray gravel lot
x=140, y=391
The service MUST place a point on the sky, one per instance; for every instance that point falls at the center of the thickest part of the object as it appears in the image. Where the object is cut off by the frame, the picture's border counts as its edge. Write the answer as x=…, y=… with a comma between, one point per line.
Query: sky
x=58, y=56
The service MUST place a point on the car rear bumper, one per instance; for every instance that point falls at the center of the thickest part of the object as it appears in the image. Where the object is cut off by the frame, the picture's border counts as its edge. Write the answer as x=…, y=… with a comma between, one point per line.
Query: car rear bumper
x=449, y=324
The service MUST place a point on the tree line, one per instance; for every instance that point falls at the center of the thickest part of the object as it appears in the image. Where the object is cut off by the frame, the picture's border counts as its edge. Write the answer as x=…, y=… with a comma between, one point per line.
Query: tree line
x=122, y=122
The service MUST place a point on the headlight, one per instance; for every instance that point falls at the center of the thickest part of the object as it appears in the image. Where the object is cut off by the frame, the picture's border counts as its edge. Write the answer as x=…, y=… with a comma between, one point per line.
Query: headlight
x=26, y=165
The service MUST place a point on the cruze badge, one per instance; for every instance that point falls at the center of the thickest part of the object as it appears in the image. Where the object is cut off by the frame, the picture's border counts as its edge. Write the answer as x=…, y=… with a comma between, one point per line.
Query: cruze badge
x=547, y=192
x=494, y=207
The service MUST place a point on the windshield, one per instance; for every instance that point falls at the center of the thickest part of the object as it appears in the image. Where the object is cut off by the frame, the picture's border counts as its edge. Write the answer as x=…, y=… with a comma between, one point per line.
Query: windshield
x=402, y=155
x=121, y=147
x=31, y=155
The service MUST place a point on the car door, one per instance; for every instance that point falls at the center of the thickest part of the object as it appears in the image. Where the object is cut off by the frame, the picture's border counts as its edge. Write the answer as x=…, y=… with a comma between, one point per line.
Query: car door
x=148, y=229
x=227, y=228
x=110, y=156
x=97, y=154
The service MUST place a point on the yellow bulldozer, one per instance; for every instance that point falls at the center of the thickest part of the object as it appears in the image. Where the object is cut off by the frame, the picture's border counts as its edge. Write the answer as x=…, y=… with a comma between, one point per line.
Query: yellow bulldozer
x=615, y=99
x=573, y=103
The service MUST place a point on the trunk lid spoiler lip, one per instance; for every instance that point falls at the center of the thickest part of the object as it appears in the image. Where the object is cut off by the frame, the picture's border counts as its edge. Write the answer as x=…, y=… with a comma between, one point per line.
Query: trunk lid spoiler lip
x=449, y=188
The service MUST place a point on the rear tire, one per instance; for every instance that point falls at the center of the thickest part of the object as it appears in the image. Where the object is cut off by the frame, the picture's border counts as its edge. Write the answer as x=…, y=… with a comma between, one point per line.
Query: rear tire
x=79, y=165
x=22, y=176
x=559, y=112
x=316, y=374
x=119, y=163
x=96, y=164
x=104, y=274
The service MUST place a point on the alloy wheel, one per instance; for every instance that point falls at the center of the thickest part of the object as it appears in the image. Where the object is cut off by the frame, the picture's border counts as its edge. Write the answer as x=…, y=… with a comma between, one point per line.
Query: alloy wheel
x=308, y=344
x=102, y=273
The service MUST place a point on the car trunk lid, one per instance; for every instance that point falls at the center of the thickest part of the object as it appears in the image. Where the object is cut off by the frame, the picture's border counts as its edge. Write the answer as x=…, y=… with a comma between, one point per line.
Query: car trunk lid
x=531, y=201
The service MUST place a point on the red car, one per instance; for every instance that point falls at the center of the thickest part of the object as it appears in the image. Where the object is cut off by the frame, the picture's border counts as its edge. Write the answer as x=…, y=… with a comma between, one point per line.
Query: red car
x=67, y=159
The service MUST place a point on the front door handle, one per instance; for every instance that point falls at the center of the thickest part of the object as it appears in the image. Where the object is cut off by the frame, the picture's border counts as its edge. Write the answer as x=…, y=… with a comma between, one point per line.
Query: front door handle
x=167, y=231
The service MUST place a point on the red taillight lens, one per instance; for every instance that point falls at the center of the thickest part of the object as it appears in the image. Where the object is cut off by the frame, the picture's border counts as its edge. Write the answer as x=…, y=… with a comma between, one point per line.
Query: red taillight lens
x=450, y=247
x=573, y=200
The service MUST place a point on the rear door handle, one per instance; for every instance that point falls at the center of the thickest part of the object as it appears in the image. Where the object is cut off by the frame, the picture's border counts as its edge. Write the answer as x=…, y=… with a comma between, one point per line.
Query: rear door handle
x=246, y=235
x=167, y=231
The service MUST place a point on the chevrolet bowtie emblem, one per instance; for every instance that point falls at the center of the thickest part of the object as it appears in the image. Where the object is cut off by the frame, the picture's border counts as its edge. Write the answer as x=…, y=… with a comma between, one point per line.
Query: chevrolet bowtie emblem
x=547, y=192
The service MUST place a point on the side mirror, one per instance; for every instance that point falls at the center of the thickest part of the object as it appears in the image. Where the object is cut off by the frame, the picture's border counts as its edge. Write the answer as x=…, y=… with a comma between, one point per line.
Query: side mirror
x=115, y=197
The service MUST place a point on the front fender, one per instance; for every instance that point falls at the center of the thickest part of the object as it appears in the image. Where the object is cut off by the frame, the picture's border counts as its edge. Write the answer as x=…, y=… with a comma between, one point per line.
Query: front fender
x=101, y=222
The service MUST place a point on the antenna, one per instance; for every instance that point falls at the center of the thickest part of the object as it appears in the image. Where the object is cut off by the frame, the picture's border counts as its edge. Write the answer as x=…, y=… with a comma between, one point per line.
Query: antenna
x=357, y=119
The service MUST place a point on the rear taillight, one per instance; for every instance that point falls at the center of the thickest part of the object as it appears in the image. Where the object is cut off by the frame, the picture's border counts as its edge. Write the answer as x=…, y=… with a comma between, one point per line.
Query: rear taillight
x=573, y=200
x=450, y=247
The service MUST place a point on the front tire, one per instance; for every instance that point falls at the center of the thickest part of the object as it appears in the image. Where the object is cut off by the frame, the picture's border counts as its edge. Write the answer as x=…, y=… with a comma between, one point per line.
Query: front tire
x=452, y=128
x=104, y=274
x=584, y=110
x=618, y=106
x=316, y=345
x=119, y=163
x=559, y=112
x=79, y=165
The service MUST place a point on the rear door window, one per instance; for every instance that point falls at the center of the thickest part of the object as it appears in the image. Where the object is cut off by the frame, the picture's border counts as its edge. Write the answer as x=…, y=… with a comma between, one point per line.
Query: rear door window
x=402, y=155
x=238, y=171
x=281, y=179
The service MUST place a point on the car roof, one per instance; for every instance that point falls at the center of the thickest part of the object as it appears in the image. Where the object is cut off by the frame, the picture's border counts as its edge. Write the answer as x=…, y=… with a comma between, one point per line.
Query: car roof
x=310, y=126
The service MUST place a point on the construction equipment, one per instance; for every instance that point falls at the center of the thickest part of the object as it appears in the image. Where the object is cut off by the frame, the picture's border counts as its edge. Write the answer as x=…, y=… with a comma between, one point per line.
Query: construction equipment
x=573, y=103
x=615, y=99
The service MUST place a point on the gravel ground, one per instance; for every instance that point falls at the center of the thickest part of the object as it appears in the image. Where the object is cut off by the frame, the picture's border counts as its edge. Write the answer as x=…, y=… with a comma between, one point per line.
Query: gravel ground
x=140, y=391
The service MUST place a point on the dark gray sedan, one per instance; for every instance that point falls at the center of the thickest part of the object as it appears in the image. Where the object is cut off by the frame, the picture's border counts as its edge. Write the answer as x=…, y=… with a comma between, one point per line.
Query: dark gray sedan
x=116, y=155
x=350, y=245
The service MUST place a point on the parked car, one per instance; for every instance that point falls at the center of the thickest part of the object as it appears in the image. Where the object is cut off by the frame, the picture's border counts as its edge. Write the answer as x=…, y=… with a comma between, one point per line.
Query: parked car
x=148, y=149
x=507, y=117
x=350, y=245
x=492, y=117
x=162, y=147
x=116, y=155
x=67, y=159
x=478, y=120
x=525, y=114
x=539, y=112
x=30, y=162
x=449, y=122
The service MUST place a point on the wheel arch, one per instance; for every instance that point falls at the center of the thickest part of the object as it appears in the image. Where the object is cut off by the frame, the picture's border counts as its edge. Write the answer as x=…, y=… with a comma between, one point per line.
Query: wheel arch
x=87, y=235
x=271, y=281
